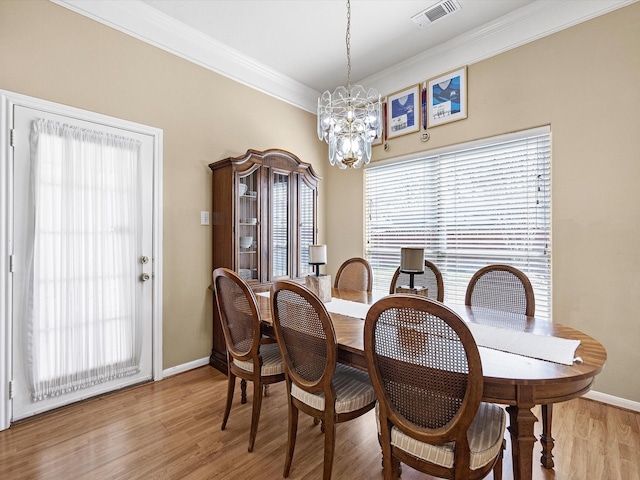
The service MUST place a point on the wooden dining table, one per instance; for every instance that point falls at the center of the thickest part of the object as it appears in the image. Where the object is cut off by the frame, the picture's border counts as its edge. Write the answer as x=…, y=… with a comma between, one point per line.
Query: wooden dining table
x=518, y=381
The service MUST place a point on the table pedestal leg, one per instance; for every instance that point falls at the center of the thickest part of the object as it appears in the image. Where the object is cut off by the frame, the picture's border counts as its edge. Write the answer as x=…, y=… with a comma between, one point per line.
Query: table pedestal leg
x=522, y=441
x=546, y=439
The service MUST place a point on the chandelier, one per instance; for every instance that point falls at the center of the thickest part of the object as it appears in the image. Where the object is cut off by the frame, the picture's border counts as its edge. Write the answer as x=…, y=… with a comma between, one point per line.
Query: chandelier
x=350, y=118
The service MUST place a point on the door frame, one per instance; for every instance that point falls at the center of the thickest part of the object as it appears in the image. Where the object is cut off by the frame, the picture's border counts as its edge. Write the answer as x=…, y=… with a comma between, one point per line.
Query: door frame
x=7, y=101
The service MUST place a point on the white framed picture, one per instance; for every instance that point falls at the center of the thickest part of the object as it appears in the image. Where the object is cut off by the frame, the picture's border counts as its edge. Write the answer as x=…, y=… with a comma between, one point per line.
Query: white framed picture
x=403, y=112
x=447, y=97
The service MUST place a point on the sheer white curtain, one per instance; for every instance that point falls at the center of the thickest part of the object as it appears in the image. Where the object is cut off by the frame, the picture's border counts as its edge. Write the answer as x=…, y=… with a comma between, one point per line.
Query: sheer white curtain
x=83, y=325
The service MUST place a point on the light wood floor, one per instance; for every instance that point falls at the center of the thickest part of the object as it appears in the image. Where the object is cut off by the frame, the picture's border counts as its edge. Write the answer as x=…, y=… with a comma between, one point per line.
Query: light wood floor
x=171, y=430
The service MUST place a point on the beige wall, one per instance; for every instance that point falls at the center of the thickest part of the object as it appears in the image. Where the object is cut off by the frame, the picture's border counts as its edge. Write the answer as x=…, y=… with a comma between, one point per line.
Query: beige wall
x=585, y=83
x=49, y=52
x=582, y=81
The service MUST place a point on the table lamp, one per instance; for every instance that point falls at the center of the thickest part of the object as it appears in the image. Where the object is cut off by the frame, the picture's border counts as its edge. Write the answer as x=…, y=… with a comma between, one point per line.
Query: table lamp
x=319, y=284
x=412, y=262
x=317, y=257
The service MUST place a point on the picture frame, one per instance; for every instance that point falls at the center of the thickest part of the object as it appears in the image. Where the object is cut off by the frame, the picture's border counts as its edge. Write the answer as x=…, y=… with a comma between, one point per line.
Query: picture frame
x=447, y=97
x=403, y=112
x=383, y=113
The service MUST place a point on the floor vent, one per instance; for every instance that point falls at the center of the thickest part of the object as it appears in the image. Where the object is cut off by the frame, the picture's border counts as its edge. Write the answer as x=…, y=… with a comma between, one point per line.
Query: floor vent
x=436, y=12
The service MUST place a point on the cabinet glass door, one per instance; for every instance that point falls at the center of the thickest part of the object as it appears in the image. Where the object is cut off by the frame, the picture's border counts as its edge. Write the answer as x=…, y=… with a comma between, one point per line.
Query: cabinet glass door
x=307, y=225
x=247, y=229
x=279, y=225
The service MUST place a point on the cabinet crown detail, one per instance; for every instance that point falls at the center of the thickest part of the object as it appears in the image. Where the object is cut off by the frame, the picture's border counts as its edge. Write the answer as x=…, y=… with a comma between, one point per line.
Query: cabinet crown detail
x=272, y=158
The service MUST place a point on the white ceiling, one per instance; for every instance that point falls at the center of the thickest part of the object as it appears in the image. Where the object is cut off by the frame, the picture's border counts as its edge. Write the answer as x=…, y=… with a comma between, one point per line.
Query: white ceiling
x=305, y=39
x=295, y=49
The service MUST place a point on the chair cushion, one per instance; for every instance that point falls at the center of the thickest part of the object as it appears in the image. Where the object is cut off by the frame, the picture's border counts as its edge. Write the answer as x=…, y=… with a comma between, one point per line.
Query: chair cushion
x=485, y=439
x=353, y=391
x=272, y=363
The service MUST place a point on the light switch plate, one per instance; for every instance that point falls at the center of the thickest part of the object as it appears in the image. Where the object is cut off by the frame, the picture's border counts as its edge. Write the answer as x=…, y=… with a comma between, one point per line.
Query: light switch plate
x=204, y=218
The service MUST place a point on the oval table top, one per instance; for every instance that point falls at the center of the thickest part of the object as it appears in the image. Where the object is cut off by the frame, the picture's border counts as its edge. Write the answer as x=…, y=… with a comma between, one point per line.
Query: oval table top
x=500, y=369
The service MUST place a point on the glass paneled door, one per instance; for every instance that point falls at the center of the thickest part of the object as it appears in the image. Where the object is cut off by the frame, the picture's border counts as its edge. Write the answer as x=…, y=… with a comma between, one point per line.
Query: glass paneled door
x=82, y=285
x=279, y=224
x=248, y=227
x=307, y=231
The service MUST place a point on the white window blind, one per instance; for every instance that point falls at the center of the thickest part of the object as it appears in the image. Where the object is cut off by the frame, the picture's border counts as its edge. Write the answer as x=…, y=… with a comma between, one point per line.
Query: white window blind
x=468, y=207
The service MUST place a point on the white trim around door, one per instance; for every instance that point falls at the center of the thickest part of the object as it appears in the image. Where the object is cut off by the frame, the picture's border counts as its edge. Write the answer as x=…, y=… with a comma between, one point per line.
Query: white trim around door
x=9, y=100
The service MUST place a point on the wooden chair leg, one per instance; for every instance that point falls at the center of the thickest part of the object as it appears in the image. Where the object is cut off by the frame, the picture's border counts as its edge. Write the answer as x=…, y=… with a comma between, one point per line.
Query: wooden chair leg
x=291, y=442
x=329, y=446
x=255, y=414
x=497, y=468
x=390, y=466
x=231, y=386
x=396, y=468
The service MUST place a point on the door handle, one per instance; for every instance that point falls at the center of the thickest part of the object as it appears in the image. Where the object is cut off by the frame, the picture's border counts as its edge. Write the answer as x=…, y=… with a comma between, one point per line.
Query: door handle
x=144, y=277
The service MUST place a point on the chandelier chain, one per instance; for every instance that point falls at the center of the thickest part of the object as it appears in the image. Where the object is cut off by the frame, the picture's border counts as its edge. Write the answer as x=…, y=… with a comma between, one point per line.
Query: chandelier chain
x=349, y=119
x=348, y=45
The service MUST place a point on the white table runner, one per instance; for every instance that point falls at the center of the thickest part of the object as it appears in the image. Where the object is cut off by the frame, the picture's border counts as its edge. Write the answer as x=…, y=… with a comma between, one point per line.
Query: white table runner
x=553, y=349
x=342, y=307
x=347, y=307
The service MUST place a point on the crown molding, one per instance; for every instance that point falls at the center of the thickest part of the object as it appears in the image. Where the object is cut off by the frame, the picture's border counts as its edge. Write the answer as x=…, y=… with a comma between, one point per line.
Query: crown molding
x=530, y=23
x=145, y=23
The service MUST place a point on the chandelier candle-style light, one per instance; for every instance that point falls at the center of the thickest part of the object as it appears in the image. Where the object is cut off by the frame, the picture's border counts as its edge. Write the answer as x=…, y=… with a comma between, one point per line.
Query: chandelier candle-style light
x=350, y=118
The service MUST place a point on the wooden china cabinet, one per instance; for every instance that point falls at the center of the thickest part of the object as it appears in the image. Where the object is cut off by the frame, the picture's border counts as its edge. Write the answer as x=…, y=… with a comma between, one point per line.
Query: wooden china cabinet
x=264, y=219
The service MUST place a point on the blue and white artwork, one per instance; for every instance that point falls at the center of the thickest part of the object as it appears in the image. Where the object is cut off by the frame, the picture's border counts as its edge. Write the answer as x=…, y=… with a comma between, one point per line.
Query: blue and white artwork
x=403, y=113
x=446, y=98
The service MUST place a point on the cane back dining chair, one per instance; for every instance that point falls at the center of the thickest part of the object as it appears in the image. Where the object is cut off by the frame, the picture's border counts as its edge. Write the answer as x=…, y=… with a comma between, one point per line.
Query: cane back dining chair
x=501, y=287
x=316, y=384
x=431, y=278
x=427, y=374
x=354, y=274
x=251, y=357
x=505, y=288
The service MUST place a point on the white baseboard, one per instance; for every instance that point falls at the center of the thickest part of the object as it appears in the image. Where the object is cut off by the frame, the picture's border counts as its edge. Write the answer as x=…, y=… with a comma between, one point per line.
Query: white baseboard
x=614, y=401
x=185, y=367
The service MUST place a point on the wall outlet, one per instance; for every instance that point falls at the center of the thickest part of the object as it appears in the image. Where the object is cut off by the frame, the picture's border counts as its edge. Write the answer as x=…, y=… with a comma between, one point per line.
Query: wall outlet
x=204, y=218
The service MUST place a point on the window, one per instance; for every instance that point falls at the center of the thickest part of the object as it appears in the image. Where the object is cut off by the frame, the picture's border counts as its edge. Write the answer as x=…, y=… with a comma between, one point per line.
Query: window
x=469, y=206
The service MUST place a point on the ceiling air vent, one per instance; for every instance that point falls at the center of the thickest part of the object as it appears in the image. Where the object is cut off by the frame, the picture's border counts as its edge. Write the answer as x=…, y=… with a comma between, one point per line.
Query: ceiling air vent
x=436, y=12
